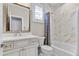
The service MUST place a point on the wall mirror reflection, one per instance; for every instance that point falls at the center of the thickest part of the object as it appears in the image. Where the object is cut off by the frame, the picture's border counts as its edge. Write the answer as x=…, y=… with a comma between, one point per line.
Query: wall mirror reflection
x=16, y=18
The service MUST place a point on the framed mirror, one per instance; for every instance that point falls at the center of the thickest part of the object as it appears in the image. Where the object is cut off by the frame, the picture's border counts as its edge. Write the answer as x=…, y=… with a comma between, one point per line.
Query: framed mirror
x=16, y=18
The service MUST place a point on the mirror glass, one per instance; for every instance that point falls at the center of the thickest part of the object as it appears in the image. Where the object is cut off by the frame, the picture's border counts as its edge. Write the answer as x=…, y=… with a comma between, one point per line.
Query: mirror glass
x=15, y=24
x=17, y=18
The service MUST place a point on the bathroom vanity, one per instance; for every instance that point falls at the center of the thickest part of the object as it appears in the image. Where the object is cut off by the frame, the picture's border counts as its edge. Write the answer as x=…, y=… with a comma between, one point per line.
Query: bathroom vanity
x=16, y=22
x=21, y=46
x=16, y=19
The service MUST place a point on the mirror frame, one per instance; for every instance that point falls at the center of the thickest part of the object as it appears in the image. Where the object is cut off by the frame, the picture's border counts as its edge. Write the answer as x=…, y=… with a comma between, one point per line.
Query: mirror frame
x=6, y=16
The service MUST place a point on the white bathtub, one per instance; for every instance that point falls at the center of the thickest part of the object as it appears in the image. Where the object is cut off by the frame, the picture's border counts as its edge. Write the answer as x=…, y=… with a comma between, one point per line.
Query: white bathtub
x=63, y=49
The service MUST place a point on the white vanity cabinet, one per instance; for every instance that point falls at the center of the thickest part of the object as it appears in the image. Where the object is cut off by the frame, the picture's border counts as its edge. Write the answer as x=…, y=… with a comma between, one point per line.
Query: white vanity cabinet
x=24, y=47
x=29, y=51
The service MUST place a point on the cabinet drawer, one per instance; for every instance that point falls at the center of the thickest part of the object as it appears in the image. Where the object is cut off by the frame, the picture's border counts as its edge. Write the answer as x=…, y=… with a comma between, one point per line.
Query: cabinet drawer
x=14, y=52
x=21, y=43
x=8, y=46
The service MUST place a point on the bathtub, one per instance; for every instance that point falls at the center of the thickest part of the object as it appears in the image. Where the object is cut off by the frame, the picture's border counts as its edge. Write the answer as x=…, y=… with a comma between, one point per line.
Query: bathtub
x=63, y=49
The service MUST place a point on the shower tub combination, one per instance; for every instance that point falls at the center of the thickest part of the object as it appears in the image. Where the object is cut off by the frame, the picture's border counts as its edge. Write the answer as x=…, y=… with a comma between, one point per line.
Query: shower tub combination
x=63, y=49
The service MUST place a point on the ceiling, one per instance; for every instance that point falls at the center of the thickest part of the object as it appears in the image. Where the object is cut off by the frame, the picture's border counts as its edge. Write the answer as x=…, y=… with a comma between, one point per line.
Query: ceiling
x=55, y=5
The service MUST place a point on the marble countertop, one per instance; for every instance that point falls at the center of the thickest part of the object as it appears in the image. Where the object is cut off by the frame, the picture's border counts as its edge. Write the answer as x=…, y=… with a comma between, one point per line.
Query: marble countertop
x=14, y=38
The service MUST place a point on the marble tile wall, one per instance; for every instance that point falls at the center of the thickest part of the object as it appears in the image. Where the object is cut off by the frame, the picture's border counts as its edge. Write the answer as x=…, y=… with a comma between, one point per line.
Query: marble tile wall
x=64, y=24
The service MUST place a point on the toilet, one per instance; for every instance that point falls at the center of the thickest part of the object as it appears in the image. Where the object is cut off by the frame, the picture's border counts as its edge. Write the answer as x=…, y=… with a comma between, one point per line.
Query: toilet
x=45, y=50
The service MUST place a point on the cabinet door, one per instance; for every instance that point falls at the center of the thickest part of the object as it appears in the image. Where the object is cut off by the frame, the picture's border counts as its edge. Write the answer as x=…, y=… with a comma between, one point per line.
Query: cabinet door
x=23, y=52
x=32, y=51
x=1, y=50
x=29, y=51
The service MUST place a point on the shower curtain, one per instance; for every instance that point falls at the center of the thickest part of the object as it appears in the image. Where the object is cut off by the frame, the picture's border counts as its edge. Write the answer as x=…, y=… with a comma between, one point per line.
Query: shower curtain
x=47, y=28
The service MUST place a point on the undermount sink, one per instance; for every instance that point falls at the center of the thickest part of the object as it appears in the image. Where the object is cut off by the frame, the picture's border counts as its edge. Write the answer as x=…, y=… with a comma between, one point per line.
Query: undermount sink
x=18, y=37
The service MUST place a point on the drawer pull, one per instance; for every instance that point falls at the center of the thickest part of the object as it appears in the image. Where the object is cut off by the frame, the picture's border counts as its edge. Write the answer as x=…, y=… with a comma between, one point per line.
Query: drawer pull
x=2, y=45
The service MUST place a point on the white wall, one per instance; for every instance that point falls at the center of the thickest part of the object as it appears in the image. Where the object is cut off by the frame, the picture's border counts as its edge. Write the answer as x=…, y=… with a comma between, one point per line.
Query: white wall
x=1, y=27
x=1, y=18
x=38, y=28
